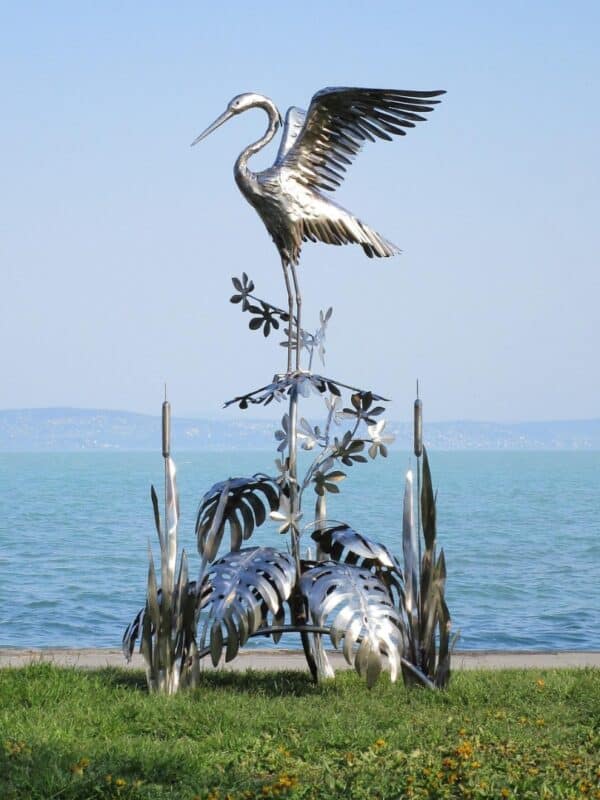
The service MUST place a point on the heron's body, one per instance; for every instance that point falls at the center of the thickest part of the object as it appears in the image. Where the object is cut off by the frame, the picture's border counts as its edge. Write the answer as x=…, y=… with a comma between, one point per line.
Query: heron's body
x=316, y=147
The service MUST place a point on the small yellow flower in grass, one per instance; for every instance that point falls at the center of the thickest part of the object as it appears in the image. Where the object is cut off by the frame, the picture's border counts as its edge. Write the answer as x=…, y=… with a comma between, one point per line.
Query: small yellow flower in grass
x=120, y=783
x=380, y=743
x=523, y=720
x=286, y=781
x=533, y=771
x=584, y=787
x=16, y=748
x=462, y=732
x=80, y=767
x=504, y=792
x=475, y=765
x=540, y=683
x=464, y=750
x=540, y=723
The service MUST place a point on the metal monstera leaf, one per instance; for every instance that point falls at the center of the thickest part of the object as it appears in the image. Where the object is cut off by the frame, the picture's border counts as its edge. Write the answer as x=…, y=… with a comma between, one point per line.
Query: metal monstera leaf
x=239, y=591
x=364, y=616
x=241, y=504
x=345, y=545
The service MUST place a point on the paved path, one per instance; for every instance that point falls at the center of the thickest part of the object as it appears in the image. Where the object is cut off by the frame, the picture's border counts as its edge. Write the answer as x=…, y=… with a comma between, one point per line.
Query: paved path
x=93, y=658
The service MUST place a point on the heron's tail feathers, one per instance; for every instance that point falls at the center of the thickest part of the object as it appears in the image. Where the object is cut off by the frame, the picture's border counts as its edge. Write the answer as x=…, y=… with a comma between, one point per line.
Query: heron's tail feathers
x=343, y=228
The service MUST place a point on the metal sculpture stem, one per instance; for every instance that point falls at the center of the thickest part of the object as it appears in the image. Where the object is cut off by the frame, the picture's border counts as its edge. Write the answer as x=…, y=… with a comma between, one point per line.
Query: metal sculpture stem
x=298, y=315
x=293, y=472
x=288, y=288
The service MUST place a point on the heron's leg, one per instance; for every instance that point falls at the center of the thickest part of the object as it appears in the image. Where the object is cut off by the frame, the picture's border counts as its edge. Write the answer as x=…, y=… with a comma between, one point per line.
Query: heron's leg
x=298, y=315
x=288, y=288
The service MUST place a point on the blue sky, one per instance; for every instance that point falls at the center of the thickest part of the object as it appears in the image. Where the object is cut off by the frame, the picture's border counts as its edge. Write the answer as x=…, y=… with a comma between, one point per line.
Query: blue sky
x=118, y=241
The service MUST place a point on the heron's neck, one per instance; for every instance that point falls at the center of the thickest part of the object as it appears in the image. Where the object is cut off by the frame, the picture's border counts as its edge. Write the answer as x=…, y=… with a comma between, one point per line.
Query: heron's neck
x=241, y=170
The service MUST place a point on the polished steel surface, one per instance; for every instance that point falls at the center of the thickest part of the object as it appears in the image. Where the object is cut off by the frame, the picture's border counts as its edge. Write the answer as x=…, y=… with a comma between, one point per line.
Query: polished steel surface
x=362, y=611
x=316, y=148
x=381, y=617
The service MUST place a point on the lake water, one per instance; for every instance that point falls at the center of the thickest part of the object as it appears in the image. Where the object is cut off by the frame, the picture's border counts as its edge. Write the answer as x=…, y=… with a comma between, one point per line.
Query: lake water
x=521, y=533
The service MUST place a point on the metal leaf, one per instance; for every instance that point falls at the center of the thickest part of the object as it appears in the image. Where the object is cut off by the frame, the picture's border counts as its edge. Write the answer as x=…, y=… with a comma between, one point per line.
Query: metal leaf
x=186, y=600
x=362, y=610
x=348, y=546
x=410, y=547
x=219, y=507
x=427, y=504
x=154, y=498
x=239, y=591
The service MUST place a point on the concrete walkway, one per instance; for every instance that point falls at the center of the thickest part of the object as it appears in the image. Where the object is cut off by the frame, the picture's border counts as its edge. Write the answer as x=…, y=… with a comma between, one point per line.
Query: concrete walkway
x=94, y=658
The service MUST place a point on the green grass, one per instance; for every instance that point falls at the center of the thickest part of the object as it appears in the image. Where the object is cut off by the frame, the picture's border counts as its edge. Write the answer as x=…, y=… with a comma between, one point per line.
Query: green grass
x=98, y=734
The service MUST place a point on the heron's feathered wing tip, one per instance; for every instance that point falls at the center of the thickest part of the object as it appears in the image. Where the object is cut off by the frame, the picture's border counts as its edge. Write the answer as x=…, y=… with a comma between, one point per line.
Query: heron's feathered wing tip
x=343, y=228
x=378, y=247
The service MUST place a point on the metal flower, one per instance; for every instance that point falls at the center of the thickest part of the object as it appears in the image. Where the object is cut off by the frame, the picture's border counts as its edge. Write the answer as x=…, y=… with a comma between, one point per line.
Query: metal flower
x=332, y=403
x=283, y=468
x=349, y=449
x=319, y=338
x=327, y=482
x=244, y=287
x=266, y=318
x=309, y=436
x=283, y=435
x=311, y=341
x=361, y=410
x=379, y=442
x=286, y=515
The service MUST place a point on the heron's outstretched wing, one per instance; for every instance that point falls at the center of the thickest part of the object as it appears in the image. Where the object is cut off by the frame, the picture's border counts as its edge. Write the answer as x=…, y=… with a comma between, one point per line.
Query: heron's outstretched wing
x=336, y=124
x=294, y=120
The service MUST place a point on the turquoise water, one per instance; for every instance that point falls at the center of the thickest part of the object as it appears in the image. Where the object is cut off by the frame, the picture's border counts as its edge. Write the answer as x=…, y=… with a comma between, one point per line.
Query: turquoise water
x=521, y=533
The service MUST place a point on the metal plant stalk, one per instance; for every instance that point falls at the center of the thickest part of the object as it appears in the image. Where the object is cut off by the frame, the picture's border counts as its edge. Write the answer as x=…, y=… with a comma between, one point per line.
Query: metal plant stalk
x=166, y=625
x=352, y=590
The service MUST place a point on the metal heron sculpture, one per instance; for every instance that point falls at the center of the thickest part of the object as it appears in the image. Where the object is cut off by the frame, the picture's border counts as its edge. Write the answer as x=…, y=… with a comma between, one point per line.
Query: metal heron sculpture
x=316, y=147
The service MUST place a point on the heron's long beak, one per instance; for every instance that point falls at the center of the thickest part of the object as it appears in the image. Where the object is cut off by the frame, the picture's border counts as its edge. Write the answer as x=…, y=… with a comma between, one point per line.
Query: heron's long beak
x=216, y=124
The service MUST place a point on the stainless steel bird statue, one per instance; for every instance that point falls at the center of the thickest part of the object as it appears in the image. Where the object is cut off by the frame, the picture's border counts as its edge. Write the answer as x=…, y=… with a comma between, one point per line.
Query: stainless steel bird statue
x=316, y=147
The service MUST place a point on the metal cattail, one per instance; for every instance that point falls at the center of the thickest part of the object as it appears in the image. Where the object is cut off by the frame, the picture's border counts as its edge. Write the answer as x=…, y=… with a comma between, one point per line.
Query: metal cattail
x=166, y=429
x=418, y=426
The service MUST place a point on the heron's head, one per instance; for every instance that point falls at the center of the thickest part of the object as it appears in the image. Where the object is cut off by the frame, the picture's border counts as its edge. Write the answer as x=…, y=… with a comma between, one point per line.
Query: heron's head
x=239, y=104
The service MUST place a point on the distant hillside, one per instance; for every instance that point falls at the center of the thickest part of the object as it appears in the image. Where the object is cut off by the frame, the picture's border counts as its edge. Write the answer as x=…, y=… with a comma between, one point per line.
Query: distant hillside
x=71, y=429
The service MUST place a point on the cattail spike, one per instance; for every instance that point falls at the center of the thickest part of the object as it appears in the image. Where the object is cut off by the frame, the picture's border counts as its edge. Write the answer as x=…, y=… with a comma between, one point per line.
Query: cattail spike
x=166, y=429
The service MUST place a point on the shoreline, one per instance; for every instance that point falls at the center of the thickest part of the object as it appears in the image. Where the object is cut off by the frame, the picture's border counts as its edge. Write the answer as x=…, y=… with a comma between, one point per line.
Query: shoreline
x=100, y=658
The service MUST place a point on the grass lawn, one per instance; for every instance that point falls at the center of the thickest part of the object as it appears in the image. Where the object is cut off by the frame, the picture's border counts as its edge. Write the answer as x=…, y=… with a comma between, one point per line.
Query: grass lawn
x=67, y=733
